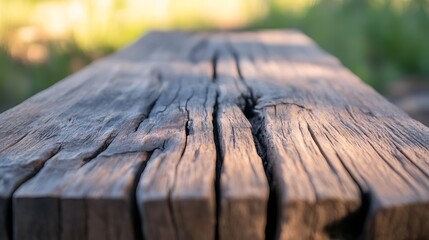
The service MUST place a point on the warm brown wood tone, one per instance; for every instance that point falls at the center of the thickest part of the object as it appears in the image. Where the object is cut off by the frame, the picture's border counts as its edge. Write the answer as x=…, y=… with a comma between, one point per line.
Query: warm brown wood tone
x=327, y=135
x=243, y=184
x=246, y=135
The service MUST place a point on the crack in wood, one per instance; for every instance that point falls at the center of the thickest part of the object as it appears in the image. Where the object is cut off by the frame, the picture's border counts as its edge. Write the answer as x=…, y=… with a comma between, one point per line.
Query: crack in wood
x=320, y=141
x=215, y=59
x=216, y=138
x=106, y=143
x=143, y=116
x=219, y=158
x=354, y=223
x=9, y=208
x=137, y=220
x=16, y=142
x=273, y=206
x=250, y=99
x=355, y=219
x=188, y=130
x=250, y=112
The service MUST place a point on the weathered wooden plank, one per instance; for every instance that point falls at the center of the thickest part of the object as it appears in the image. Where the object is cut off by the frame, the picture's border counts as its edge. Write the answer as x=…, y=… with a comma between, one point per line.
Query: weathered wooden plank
x=30, y=137
x=83, y=200
x=243, y=184
x=326, y=134
x=83, y=130
x=132, y=142
x=171, y=46
x=98, y=187
x=176, y=190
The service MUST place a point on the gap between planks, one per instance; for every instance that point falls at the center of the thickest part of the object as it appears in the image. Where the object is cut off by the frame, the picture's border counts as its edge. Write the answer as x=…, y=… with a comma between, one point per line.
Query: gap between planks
x=256, y=105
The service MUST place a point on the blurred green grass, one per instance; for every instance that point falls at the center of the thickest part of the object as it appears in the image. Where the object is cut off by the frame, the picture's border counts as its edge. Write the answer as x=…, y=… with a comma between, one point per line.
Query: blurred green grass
x=41, y=42
x=380, y=41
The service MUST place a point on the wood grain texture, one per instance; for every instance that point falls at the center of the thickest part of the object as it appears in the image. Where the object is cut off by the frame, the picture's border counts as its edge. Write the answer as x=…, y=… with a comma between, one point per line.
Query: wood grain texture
x=180, y=135
x=84, y=131
x=327, y=135
x=243, y=184
x=85, y=184
x=73, y=116
x=177, y=186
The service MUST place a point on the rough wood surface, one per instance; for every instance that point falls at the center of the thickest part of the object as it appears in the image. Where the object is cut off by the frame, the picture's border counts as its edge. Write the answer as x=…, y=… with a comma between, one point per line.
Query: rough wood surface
x=82, y=129
x=243, y=184
x=177, y=186
x=327, y=135
x=213, y=135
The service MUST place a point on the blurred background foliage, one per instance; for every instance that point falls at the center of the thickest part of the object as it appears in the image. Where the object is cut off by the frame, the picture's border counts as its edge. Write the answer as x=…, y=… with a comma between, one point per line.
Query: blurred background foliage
x=42, y=41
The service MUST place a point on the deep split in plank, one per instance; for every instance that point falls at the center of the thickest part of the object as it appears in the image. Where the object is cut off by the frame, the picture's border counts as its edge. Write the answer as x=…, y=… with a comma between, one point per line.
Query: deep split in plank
x=240, y=135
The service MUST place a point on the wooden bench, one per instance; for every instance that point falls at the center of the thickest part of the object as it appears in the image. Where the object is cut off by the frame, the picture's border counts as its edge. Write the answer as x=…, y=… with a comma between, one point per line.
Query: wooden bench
x=248, y=135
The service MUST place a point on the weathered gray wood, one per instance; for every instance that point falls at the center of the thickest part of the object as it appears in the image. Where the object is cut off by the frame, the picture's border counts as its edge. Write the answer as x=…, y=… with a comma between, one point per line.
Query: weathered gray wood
x=72, y=121
x=167, y=47
x=131, y=145
x=326, y=134
x=176, y=190
x=243, y=184
x=83, y=130
x=83, y=193
x=31, y=137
